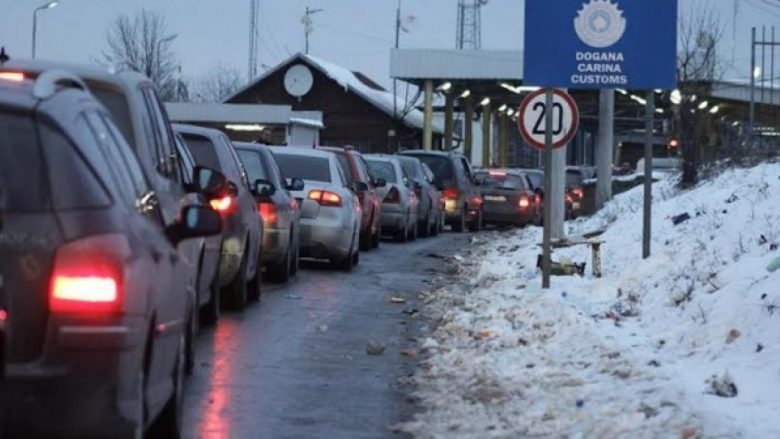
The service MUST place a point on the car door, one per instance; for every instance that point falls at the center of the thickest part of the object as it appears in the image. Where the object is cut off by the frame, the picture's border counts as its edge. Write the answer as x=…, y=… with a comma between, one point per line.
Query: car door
x=474, y=198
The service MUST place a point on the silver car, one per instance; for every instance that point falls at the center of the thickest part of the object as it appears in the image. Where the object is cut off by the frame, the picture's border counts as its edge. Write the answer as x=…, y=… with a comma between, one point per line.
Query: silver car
x=330, y=210
x=430, y=212
x=399, y=202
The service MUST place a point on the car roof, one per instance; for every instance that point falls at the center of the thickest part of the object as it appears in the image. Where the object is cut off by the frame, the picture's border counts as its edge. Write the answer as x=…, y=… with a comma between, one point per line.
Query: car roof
x=211, y=133
x=309, y=152
x=429, y=152
x=382, y=158
x=250, y=146
x=125, y=78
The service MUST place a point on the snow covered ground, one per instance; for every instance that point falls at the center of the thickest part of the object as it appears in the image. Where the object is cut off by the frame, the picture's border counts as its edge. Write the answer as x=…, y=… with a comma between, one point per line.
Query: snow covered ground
x=632, y=354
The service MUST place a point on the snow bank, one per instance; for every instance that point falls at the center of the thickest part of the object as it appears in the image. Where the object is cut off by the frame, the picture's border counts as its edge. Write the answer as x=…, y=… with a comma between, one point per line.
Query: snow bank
x=632, y=354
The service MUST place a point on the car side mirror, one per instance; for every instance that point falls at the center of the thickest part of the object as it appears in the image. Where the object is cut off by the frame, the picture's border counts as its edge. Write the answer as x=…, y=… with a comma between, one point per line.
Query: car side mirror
x=209, y=182
x=417, y=185
x=479, y=181
x=296, y=184
x=360, y=186
x=194, y=221
x=264, y=188
x=380, y=182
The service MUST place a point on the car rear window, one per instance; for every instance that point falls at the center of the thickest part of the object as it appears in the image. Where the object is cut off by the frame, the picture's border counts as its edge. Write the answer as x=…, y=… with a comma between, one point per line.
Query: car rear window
x=537, y=179
x=441, y=167
x=345, y=167
x=502, y=181
x=573, y=178
x=383, y=170
x=253, y=163
x=22, y=169
x=202, y=150
x=410, y=167
x=303, y=167
x=117, y=105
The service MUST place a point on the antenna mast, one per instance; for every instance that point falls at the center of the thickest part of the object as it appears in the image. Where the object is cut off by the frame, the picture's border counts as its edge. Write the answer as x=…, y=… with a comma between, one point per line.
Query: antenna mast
x=469, y=31
x=254, y=37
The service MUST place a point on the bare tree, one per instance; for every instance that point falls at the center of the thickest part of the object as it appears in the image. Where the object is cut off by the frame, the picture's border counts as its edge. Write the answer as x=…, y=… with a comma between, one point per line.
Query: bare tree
x=143, y=43
x=217, y=85
x=698, y=66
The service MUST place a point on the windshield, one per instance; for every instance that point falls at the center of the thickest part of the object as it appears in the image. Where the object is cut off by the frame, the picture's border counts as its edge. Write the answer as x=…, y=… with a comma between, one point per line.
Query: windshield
x=303, y=167
x=383, y=170
x=573, y=178
x=117, y=105
x=502, y=181
x=253, y=164
x=537, y=179
x=410, y=166
x=345, y=167
x=441, y=167
x=203, y=151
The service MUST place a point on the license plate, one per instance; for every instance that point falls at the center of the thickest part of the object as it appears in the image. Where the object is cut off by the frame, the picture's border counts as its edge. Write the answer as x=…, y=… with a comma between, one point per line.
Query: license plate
x=498, y=198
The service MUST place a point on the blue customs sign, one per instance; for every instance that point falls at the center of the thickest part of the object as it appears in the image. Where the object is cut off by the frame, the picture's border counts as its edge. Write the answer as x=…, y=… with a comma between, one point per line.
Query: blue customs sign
x=601, y=43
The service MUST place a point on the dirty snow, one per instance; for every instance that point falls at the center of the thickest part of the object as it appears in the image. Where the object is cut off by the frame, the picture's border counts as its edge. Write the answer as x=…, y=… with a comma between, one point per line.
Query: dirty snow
x=642, y=352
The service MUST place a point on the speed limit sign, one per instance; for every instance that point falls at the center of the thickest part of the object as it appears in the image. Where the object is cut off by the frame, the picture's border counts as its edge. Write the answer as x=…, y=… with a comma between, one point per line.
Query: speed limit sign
x=565, y=119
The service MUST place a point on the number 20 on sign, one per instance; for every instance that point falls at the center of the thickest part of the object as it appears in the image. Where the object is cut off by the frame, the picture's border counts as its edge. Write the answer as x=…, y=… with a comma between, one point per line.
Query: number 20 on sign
x=565, y=119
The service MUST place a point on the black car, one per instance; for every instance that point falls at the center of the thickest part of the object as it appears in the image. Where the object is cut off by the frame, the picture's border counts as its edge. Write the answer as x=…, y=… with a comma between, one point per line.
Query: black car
x=455, y=178
x=508, y=198
x=95, y=307
x=279, y=210
x=241, y=262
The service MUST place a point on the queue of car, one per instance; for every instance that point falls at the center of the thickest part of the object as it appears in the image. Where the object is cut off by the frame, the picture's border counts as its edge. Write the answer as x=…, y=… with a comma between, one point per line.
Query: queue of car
x=121, y=234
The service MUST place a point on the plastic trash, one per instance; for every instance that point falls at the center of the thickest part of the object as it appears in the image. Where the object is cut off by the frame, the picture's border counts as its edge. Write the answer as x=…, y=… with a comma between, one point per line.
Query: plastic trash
x=774, y=265
x=679, y=219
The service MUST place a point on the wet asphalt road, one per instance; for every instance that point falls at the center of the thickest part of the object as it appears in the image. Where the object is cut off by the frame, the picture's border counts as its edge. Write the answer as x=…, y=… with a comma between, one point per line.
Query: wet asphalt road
x=295, y=365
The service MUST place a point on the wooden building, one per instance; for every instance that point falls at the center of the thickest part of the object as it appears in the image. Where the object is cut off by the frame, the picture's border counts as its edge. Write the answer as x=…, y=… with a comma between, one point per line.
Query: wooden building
x=356, y=110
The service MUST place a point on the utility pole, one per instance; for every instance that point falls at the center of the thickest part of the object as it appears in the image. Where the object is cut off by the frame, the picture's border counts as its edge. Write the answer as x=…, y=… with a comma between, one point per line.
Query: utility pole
x=605, y=147
x=396, y=124
x=254, y=35
x=308, y=25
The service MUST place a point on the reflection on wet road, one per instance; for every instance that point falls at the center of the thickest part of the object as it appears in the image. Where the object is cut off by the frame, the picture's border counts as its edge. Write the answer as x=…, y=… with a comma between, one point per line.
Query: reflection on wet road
x=295, y=365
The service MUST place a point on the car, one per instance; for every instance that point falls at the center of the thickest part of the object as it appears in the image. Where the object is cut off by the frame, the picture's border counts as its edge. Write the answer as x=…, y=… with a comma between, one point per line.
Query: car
x=241, y=260
x=279, y=210
x=455, y=177
x=330, y=209
x=141, y=118
x=399, y=202
x=93, y=300
x=206, y=250
x=508, y=198
x=358, y=175
x=536, y=180
x=430, y=212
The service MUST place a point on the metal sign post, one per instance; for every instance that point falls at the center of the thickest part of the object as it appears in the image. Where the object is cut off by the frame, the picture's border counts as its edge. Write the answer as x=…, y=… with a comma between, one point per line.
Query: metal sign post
x=647, y=220
x=548, y=182
x=548, y=120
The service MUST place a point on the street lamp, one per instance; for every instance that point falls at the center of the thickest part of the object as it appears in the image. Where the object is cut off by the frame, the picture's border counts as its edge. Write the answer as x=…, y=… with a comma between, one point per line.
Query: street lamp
x=49, y=5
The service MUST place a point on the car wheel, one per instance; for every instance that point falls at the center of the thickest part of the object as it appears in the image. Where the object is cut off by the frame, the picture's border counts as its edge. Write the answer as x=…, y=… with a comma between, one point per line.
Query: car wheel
x=366, y=239
x=425, y=230
x=413, y=231
x=189, y=345
x=460, y=223
x=209, y=314
x=138, y=431
x=476, y=224
x=168, y=424
x=281, y=272
x=377, y=237
x=435, y=226
x=402, y=235
x=296, y=262
x=235, y=294
x=356, y=259
x=255, y=285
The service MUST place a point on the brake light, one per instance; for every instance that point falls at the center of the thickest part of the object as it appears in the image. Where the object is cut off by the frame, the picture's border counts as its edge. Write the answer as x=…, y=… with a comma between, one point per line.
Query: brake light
x=569, y=199
x=325, y=198
x=450, y=193
x=268, y=212
x=476, y=200
x=497, y=173
x=3, y=315
x=577, y=192
x=222, y=204
x=393, y=196
x=87, y=275
x=524, y=202
x=12, y=76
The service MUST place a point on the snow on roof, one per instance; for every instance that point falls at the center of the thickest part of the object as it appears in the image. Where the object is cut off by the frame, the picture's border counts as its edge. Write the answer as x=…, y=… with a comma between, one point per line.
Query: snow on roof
x=381, y=99
x=314, y=123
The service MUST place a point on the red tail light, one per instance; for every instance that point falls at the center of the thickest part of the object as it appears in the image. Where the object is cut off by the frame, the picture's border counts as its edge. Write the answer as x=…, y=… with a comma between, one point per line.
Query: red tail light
x=393, y=196
x=3, y=316
x=87, y=275
x=577, y=192
x=223, y=205
x=524, y=202
x=569, y=199
x=325, y=198
x=268, y=212
x=450, y=193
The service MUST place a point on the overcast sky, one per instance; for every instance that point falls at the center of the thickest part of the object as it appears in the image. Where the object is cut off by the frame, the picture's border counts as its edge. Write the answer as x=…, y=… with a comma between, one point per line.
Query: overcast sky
x=354, y=33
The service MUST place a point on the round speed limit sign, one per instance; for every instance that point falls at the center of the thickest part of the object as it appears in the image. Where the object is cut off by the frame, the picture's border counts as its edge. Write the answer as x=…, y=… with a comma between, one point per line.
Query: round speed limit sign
x=532, y=114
